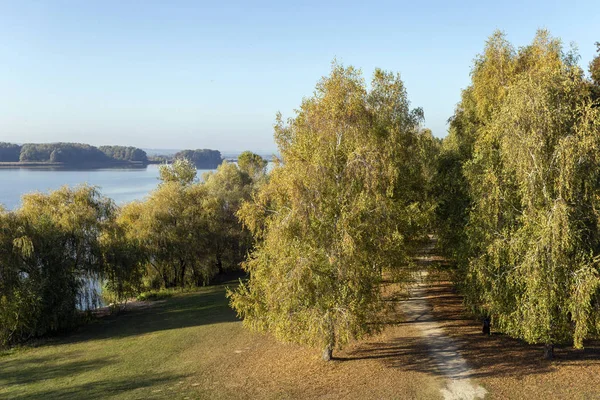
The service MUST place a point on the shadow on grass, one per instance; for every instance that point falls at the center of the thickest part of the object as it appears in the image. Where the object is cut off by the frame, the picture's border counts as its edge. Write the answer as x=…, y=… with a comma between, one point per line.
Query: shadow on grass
x=19, y=374
x=101, y=389
x=22, y=371
x=207, y=306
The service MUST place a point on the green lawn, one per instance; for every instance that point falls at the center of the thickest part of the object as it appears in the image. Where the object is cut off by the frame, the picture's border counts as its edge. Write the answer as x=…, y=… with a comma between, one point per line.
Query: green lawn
x=192, y=346
x=139, y=354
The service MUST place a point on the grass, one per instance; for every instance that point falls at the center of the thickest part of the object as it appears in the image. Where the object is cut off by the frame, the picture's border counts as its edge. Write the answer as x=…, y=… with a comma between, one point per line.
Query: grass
x=154, y=295
x=192, y=346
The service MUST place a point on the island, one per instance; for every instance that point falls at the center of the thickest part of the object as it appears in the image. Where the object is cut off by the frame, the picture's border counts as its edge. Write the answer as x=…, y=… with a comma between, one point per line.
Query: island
x=76, y=155
x=80, y=155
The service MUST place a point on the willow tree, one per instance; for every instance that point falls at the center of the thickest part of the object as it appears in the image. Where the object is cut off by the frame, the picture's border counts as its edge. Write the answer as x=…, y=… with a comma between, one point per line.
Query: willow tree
x=49, y=250
x=227, y=188
x=334, y=212
x=170, y=229
x=186, y=231
x=492, y=72
x=533, y=182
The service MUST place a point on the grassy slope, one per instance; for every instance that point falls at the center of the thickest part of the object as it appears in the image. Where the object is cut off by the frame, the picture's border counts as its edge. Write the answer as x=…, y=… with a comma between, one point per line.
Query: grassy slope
x=192, y=346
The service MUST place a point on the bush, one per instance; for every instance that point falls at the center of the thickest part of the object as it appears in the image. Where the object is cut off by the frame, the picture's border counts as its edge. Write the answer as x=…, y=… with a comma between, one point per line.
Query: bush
x=154, y=295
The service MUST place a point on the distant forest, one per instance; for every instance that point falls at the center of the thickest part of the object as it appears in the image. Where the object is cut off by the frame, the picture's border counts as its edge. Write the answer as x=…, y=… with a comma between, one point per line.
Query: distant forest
x=202, y=158
x=69, y=153
x=85, y=154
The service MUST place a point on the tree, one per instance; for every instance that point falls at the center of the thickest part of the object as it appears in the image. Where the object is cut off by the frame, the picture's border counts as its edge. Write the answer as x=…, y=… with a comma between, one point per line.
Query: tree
x=252, y=164
x=9, y=152
x=594, y=69
x=595, y=66
x=187, y=231
x=333, y=214
x=202, y=158
x=68, y=153
x=526, y=142
x=123, y=263
x=226, y=189
x=49, y=250
x=171, y=226
x=182, y=171
x=125, y=153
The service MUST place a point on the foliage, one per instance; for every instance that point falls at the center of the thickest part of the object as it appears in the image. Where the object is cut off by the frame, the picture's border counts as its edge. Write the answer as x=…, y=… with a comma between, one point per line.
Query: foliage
x=252, y=164
x=69, y=153
x=123, y=263
x=337, y=211
x=227, y=188
x=595, y=66
x=522, y=160
x=187, y=232
x=154, y=295
x=170, y=227
x=202, y=158
x=181, y=171
x=50, y=250
x=595, y=75
x=124, y=153
x=9, y=152
x=73, y=153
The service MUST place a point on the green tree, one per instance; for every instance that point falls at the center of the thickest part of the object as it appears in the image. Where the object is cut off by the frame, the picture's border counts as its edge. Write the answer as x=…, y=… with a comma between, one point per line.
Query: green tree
x=332, y=216
x=182, y=171
x=171, y=227
x=124, y=153
x=9, y=152
x=49, y=252
x=524, y=151
x=252, y=164
x=202, y=158
x=595, y=66
x=594, y=69
x=226, y=189
x=123, y=263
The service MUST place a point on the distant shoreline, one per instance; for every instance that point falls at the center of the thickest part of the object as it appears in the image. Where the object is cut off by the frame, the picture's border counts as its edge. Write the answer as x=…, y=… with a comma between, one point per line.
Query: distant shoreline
x=89, y=165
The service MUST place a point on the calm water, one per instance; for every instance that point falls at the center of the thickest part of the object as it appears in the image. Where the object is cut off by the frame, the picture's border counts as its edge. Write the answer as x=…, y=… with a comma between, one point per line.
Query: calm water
x=122, y=185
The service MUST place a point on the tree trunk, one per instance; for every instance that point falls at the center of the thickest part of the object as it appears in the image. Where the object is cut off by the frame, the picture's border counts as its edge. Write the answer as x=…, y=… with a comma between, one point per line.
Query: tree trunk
x=219, y=265
x=487, y=326
x=549, y=351
x=182, y=273
x=328, y=353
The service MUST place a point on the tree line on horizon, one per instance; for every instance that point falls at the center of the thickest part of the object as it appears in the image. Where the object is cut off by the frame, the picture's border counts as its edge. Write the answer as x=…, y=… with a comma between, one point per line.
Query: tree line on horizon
x=512, y=193
x=82, y=154
x=69, y=153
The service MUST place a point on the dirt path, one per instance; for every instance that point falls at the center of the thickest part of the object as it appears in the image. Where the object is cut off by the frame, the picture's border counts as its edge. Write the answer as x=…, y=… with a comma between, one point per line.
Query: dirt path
x=442, y=348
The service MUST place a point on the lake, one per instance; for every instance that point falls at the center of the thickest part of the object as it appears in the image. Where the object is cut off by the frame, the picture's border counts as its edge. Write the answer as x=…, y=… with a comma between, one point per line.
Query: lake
x=121, y=184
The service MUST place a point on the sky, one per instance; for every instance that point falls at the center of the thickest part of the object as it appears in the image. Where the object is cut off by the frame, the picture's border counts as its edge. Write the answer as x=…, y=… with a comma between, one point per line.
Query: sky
x=193, y=74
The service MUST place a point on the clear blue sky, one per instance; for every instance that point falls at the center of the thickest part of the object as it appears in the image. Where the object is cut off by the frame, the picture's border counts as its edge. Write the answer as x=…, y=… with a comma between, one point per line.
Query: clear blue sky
x=189, y=74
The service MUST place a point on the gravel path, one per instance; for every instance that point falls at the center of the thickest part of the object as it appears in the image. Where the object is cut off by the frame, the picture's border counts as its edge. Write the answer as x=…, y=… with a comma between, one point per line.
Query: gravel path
x=442, y=348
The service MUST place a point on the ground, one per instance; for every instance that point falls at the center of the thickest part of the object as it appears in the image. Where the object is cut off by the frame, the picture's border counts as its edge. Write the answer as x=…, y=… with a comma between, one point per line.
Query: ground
x=511, y=369
x=192, y=346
